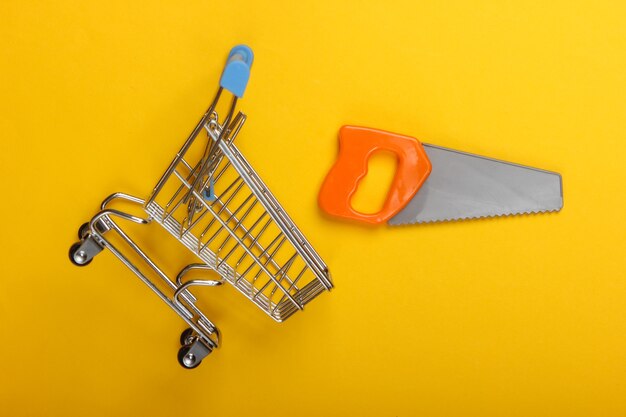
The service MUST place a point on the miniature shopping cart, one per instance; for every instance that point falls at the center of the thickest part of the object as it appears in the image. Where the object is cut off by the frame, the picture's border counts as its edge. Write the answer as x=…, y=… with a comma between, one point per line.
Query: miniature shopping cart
x=213, y=202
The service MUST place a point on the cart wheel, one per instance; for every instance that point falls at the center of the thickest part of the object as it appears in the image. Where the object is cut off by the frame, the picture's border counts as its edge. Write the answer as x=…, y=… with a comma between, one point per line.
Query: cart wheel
x=187, y=360
x=78, y=258
x=83, y=230
x=186, y=337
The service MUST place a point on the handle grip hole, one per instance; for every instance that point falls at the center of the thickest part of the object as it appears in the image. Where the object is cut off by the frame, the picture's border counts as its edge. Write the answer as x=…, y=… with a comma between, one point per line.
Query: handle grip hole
x=373, y=189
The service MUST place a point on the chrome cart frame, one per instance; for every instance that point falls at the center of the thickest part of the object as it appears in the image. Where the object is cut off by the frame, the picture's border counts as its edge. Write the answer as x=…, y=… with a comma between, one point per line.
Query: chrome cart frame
x=213, y=202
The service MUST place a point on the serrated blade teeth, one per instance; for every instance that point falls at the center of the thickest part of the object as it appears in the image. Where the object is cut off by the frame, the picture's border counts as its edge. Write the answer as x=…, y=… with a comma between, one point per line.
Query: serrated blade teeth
x=490, y=216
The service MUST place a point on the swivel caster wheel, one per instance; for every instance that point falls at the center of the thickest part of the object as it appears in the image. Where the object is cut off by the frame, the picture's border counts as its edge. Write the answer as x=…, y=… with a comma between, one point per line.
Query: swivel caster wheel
x=186, y=337
x=83, y=231
x=78, y=256
x=187, y=359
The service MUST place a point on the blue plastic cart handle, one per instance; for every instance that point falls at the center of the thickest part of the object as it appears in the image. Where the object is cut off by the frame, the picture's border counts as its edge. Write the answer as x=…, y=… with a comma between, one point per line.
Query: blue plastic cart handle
x=237, y=70
x=209, y=192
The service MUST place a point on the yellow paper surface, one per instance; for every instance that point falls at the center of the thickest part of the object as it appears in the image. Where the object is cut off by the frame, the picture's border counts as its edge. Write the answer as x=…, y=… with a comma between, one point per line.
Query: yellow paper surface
x=522, y=316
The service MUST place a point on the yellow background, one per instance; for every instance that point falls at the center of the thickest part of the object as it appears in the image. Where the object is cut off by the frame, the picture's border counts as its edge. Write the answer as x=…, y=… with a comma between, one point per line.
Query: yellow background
x=522, y=316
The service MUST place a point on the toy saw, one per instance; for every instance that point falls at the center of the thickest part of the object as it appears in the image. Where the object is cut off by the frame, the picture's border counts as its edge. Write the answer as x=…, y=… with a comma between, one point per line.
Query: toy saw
x=435, y=184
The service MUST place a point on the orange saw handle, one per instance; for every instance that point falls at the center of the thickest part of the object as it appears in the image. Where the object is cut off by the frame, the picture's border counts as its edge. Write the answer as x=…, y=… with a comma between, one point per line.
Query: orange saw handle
x=356, y=145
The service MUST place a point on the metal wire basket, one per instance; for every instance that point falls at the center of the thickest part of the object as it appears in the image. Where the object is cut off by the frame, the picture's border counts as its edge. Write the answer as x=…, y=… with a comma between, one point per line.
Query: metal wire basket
x=213, y=202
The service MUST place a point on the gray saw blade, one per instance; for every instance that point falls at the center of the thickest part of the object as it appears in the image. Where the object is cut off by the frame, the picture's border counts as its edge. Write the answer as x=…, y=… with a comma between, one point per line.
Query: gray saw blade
x=466, y=186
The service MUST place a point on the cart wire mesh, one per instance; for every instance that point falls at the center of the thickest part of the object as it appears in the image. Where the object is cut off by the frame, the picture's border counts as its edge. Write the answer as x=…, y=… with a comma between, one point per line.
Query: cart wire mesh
x=212, y=201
